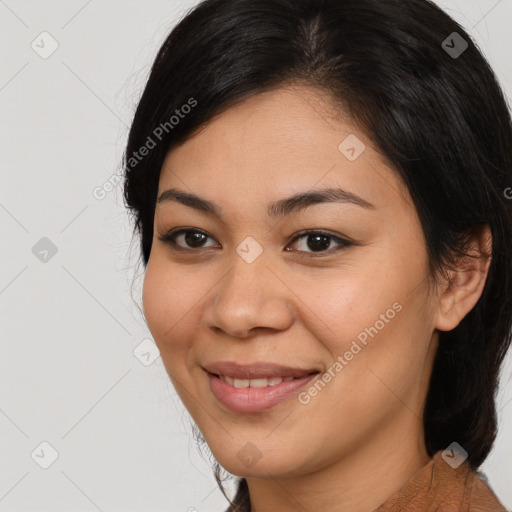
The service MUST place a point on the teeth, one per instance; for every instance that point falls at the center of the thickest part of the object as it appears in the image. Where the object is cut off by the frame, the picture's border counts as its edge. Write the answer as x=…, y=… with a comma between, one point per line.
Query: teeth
x=254, y=383
x=227, y=379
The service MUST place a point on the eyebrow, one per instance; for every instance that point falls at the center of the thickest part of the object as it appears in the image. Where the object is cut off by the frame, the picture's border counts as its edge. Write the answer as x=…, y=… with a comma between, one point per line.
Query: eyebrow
x=279, y=208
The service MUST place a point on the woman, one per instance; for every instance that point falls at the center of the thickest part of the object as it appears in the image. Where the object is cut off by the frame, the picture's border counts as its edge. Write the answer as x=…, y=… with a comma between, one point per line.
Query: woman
x=320, y=191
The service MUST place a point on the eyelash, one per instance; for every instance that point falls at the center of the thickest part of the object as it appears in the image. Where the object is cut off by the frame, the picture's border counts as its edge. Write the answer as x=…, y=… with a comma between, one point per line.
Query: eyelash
x=170, y=238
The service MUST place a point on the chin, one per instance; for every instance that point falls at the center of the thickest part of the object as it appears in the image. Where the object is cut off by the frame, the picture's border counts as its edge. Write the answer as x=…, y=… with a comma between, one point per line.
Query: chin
x=251, y=462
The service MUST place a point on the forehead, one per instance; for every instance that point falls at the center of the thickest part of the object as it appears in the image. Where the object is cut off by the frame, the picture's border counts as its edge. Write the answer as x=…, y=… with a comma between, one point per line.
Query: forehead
x=278, y=143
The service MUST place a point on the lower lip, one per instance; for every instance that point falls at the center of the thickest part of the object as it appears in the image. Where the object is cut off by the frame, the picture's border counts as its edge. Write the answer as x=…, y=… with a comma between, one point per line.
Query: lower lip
x=255, y=399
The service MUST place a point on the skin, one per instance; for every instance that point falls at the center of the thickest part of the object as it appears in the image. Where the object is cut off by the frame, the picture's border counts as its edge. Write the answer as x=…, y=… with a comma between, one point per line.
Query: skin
x=361, y=438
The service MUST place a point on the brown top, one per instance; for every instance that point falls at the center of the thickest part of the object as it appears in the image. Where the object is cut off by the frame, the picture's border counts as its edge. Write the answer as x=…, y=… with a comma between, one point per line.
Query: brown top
x=438, y=487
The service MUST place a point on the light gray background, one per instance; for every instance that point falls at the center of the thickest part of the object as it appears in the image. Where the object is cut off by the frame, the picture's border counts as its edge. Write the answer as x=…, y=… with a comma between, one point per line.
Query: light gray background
x=69, y=327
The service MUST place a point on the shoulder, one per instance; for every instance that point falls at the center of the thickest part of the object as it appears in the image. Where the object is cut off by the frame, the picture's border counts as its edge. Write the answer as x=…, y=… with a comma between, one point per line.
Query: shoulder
x=440, y=487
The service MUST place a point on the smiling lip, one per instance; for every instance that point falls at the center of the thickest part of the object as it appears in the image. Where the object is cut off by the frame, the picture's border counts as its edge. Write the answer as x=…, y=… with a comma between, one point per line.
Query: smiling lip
x=255, y=399
x=256, y=370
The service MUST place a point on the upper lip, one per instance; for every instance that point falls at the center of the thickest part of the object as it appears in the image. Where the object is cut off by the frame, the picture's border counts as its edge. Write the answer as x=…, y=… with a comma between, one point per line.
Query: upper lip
x=259, y=370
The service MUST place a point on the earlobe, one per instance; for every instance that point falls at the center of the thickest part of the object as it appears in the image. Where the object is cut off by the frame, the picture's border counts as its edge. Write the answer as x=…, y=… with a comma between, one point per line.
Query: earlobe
x=466, y=281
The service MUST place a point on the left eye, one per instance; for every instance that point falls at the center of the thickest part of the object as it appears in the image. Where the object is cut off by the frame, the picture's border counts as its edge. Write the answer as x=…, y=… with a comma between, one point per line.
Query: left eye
x=319, y=241
x=315, y=241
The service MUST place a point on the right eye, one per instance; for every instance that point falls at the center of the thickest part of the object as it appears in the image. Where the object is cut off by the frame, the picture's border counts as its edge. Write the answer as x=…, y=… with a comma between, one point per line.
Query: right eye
x=191, y=239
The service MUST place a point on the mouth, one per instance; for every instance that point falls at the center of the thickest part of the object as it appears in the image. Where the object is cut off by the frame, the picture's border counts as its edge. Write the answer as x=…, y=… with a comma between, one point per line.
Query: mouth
x=257, y=371
x=256, y=387
x=257, y=383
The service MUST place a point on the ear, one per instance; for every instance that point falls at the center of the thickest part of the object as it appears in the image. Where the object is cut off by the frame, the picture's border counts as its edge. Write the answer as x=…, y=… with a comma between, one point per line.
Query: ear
x=461, y=291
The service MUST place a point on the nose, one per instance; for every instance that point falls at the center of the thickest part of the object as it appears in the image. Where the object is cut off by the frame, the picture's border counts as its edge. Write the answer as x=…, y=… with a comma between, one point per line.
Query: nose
x=249, y=298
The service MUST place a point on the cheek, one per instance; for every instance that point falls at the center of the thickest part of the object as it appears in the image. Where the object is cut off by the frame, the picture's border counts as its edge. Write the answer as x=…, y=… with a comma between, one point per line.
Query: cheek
x=168, y=300
x=153, y=305
x=341, y=303
x=368, y=316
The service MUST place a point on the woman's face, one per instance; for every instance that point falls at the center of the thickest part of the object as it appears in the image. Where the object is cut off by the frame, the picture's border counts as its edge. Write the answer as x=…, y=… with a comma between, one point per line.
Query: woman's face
x=244, y=288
